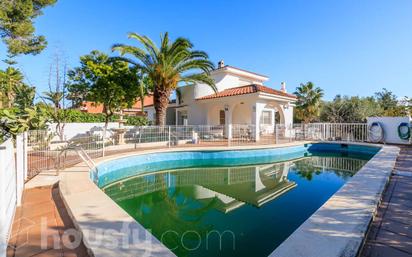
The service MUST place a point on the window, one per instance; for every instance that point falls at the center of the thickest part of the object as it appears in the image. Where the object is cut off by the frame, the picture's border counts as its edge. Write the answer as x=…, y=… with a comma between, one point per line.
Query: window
x=266, y=118
x=222, y=119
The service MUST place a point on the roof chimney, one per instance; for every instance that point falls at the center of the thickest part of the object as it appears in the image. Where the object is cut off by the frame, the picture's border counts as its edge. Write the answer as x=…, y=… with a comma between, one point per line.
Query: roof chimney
x=220, y=64
x=283, y=87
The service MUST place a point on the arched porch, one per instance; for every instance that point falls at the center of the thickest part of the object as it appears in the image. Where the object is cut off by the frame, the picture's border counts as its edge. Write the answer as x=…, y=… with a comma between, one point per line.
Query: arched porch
x=252, y=113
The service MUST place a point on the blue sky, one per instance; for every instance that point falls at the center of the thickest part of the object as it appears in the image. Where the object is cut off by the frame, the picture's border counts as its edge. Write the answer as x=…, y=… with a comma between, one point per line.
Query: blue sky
x=347, y=47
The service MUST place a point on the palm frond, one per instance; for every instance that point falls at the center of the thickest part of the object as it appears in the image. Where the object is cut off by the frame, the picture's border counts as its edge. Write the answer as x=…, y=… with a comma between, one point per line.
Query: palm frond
x=200, y=78
x=149, y=45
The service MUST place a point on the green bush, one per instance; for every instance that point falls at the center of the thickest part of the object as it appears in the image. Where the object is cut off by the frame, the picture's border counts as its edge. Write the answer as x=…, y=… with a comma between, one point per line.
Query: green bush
x=73, y=115
x=136, y=121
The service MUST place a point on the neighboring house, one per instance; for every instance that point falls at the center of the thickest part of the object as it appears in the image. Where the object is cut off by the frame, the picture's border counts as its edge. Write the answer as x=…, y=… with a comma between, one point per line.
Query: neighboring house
x=135, y=110
x=241, y=99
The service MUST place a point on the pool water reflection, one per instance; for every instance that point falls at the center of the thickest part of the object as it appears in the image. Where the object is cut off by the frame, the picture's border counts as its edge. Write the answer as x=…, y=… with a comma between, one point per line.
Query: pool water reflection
x=232, y=211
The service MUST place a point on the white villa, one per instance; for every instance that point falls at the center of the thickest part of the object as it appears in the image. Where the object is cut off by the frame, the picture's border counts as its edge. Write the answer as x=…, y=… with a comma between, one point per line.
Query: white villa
x=241, y=98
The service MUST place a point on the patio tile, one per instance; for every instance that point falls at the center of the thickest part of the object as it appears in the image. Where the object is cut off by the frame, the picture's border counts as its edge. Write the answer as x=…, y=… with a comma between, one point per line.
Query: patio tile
x=40, y=209
x=399, y=218
x=380, y=250
x=394, y=240
x=402, y=192
x=50, y=253
x=33, y=196
x=405, y=181
x=397, y=227
x=390, y=234
x=39, y=225
x=396, y=201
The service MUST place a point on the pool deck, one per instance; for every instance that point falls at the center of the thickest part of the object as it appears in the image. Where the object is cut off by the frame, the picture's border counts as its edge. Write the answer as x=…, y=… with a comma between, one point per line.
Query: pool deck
x=339, y=226
x=76, y=188
x=92, y=210
x=391, y=231
x=39, y=226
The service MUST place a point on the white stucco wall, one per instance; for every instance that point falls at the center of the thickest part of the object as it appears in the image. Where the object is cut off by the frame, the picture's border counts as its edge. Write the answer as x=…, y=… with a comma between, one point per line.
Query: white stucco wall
x=242, y=114
x=390, y=127
x=240, y=108
x=223, y=81
x=196, y=114
x=13, y=173
x=288, y=115
x=75, y=129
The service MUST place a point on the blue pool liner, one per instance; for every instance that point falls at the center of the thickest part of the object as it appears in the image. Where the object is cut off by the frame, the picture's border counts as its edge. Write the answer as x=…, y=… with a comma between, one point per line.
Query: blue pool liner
x=111, y=171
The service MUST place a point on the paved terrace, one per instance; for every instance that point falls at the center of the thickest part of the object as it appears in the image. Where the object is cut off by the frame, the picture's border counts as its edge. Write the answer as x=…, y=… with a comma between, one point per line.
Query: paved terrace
x=391, y=231
x=42, y=217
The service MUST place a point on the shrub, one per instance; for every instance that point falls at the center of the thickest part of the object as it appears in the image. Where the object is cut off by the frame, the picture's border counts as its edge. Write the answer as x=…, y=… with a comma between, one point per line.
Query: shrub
x=137, y=121
x=73, y=115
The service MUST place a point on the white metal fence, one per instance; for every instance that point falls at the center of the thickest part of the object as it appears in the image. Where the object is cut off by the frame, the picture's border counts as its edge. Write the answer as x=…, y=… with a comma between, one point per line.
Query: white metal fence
x=353, y=132
x=13, y=164
x=46, y=152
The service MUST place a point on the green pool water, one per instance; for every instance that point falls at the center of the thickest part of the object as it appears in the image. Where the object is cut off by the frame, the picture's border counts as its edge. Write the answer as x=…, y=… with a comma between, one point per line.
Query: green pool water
x=232, y=211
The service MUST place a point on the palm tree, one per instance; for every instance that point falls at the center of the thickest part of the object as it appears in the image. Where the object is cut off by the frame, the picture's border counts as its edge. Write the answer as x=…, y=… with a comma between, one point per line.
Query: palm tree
x=167, y=66
x=9, y=79
x=308, y=102
x=145, y=87
x=55, y=98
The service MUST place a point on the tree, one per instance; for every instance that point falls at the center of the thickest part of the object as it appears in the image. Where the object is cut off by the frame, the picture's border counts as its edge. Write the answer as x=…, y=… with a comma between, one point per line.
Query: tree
x=77, y=87
x=108, y=82
x=349, y=109
x=13, y=91
x=16, y=25
x=145, y=86
x=9, y=78
x=56, y=94
x=390, y=104
x=308, y=102
x=24, y=96
x=167, y=66
x=407, y=103
x=13, y=123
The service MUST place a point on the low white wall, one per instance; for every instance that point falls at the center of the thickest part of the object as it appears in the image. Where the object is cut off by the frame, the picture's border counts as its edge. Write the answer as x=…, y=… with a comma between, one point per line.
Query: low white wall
x=13, y=169
x=75, y=129
x=390, y=127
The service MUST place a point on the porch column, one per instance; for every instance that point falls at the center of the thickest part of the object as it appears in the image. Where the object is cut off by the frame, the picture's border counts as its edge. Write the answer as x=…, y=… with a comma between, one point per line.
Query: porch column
x=256, y=113
x=228, y=121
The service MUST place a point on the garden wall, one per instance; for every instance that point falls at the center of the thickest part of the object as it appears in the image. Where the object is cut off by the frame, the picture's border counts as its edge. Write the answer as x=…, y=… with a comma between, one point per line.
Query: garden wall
x=13, y=171
x=75, y=129
x=390, y=127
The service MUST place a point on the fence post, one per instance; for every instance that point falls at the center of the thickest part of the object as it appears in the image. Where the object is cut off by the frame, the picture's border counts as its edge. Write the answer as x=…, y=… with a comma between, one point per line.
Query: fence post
x=3, y=231
x=104, y=145
x=25, y=156
x=19, y=168
x=229, y=133
x=170, y=143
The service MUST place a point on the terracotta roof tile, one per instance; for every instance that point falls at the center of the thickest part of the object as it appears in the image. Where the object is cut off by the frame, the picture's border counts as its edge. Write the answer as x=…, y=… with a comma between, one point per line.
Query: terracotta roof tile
x=249, y=89
x=91, y=107
x=147, y=101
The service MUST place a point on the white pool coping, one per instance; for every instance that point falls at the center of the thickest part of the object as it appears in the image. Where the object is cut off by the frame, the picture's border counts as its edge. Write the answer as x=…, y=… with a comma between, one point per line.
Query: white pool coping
x=339, y=226
x=92, y=210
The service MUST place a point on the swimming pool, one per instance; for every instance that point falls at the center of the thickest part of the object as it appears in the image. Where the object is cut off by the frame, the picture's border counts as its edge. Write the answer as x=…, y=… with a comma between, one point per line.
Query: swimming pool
x=229, y=203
